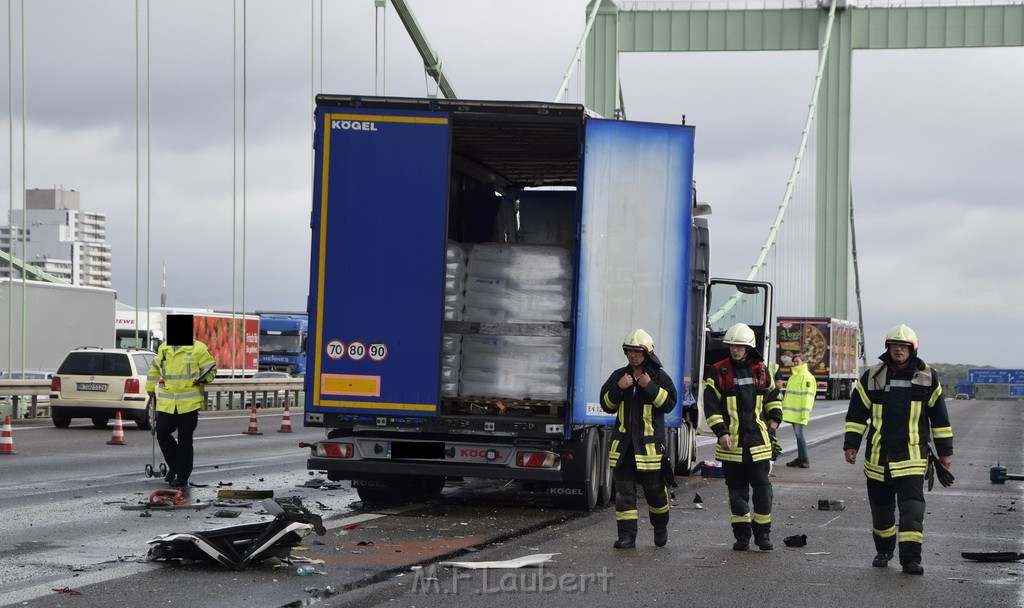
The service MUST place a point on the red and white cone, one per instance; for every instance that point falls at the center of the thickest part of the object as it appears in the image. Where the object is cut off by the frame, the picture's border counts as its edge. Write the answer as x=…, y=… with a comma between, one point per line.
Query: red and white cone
x=6, y=438
x=286, y=421
x=118, y=436
x=253, y=428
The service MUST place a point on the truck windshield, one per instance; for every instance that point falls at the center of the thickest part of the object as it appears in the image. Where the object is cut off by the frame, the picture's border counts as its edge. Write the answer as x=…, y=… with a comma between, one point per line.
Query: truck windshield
x=281, y=344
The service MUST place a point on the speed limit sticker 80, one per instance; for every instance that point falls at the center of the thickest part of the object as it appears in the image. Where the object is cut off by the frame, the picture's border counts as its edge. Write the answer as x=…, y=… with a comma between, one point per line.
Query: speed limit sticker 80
x=336, y=349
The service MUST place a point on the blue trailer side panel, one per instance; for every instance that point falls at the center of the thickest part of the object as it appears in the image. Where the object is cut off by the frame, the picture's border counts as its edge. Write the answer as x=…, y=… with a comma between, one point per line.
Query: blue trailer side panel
x=634, y=252
x=380, y=194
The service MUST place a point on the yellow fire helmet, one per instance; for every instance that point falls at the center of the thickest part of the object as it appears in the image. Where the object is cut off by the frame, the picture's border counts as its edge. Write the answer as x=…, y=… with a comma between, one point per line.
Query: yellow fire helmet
x=740, y=334
x=638, y=339
x=901, y=334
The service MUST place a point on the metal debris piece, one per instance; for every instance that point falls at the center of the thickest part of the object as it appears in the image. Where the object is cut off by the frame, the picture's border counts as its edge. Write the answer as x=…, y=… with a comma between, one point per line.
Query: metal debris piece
x=519, y=562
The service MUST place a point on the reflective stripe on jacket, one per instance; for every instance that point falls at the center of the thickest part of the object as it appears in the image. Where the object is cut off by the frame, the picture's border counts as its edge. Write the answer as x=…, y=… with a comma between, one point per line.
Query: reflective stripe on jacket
x=898, y=410
x=799, y=399
x=178, y=374
x=640, y=416
x=740, y=410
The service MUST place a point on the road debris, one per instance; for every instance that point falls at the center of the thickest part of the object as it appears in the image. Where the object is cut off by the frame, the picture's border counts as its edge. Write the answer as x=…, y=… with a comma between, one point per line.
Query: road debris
x=519, y=562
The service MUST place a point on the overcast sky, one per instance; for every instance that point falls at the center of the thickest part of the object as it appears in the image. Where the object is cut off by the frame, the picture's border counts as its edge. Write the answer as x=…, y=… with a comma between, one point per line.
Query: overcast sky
x=936, y=162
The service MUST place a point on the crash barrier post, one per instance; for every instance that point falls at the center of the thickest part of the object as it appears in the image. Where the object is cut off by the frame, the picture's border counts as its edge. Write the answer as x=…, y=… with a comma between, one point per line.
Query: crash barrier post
x=118, y=437
x=7, y=438
x=253, y=428
x=286, y=421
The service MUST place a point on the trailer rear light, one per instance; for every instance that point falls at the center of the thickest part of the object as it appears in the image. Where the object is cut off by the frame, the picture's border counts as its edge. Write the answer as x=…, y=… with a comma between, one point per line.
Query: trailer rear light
x=334, y=450
x=535, y=460
x=55, y=384
x=131, y=386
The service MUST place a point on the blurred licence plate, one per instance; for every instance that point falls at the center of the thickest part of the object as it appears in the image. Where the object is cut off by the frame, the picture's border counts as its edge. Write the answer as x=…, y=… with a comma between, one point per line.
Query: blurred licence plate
x=91, y=386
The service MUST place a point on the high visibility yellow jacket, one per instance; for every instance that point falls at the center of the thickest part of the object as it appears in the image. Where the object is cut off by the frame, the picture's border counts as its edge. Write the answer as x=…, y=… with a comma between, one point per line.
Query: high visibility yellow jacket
x=178, y=374
x=799, y=399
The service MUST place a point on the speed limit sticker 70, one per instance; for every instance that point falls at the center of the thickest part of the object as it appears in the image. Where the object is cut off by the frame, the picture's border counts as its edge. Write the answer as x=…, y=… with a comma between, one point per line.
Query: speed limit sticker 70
x=335, y=349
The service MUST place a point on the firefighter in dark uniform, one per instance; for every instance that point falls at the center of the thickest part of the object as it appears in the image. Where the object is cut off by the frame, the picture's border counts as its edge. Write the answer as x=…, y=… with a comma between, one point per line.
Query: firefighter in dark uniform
x=898, y=403
x=640, y=395
x=742, y=406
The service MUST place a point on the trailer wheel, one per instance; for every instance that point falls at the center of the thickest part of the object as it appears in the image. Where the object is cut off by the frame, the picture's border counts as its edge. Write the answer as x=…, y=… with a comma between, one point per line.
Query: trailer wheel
x=687, y=455
x=590, y=485
x=606, y=493
x=389, y=495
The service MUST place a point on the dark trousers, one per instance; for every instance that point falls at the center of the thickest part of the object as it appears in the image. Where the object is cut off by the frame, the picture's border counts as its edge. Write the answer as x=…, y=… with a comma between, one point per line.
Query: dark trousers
x=177, y=453
x=653, y=484
x=741, y=478
x=907, y=493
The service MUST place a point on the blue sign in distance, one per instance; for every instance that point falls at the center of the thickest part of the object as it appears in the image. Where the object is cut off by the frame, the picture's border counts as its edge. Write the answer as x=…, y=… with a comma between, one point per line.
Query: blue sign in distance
x=996, y=376
x=1017, y=390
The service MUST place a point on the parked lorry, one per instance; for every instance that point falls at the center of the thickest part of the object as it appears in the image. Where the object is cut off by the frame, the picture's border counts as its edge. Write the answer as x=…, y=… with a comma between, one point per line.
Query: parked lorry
x=233, y=339
x=967, y=390
x=283, y=342
x=475, y=267
x=40, y=322
x=830, y=348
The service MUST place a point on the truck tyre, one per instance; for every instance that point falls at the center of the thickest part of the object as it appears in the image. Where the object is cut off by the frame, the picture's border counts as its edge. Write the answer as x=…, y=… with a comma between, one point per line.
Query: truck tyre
x=591, y=484
x=379, y=496
x=432, y=487
x=606, y=493
x=61, y=422
x=687, y=442
x=100, y=422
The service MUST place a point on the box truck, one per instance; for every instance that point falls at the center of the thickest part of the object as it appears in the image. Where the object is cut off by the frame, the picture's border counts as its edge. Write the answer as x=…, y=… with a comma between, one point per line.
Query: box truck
x=829, y=346
x=233, y=339
x=475, y=267
x=49, y=319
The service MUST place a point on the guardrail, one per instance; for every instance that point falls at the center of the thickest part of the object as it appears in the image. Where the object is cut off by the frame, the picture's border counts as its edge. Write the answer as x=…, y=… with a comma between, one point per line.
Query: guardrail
x=221, y=394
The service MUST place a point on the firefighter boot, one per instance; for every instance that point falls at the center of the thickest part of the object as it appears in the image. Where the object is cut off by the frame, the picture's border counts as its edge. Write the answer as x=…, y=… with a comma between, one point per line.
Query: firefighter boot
x=742, y=534
x=660, y=536
x=763, y=542
x=627, y=535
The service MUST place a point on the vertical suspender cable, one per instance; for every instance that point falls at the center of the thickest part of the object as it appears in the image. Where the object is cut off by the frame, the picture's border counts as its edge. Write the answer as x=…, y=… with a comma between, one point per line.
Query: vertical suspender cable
x=579, y=50
x=856, y=281
x=24, y=193
x=234, y=159
x=138, y=203
x=10, y=178
x=245, y=207
x=770, y=241
x=149, y=173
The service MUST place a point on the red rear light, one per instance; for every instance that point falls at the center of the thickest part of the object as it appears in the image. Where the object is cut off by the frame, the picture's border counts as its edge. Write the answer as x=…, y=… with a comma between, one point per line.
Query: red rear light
x=335, y=450
x=131, y=385
x=535, y=460
x=55, y=384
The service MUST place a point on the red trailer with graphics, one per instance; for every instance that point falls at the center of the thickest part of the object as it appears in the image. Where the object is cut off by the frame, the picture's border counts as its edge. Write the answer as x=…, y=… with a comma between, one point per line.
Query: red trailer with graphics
x=830, y=347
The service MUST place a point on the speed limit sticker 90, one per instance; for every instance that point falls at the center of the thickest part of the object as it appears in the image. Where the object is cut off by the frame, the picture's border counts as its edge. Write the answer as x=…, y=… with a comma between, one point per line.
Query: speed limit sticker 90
x=378, y=351
x=335, y=349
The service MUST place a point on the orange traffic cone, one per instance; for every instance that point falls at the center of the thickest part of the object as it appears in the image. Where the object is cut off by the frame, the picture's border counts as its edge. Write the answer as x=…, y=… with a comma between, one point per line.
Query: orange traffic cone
x=286, y=421
x=6, y=439
x=253, y=429
x=118, y=437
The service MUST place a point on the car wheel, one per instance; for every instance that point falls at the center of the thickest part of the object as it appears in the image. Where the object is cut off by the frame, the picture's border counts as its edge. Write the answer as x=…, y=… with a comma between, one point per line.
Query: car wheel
x=144, y=421
x=100, y=422
x=61, y=422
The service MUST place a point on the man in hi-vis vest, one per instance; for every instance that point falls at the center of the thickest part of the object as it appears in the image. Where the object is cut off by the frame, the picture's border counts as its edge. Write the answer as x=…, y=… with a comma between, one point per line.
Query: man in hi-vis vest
x=180, y=371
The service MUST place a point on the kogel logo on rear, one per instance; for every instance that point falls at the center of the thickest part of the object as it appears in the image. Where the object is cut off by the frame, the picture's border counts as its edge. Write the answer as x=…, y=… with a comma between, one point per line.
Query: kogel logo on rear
x=354, y=125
